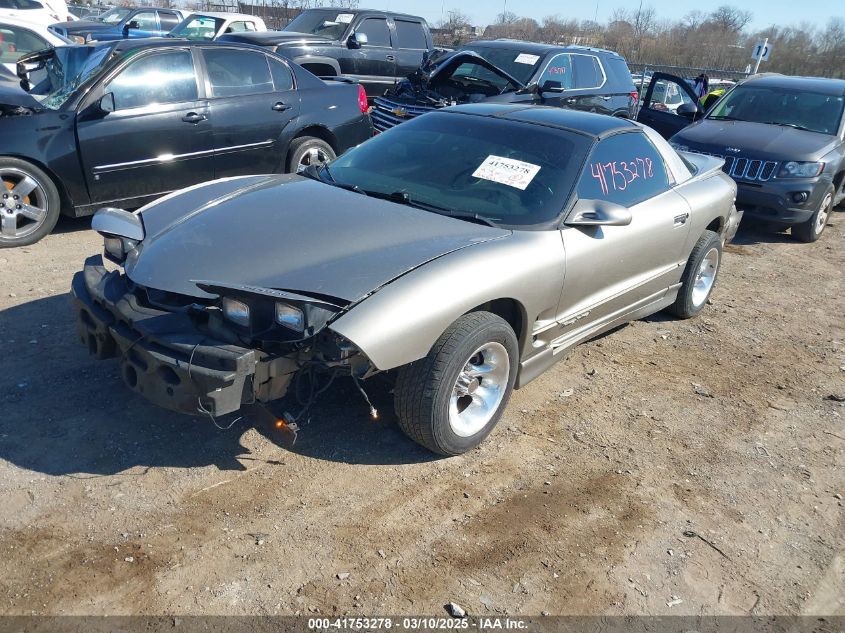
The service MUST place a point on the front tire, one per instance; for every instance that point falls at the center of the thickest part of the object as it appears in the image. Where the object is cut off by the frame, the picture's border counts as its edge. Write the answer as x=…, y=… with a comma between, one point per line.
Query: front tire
x=452, y=399
x=812, y=229
x=699, y=276
x=29, y=203
x=307, y=151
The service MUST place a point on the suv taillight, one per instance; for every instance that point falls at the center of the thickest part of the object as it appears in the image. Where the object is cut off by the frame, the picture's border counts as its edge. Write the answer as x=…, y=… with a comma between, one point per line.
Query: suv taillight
x=635, y=95
x=362, y=99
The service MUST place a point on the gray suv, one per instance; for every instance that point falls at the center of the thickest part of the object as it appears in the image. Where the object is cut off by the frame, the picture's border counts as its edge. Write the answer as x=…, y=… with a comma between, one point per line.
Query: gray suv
x=783, y=141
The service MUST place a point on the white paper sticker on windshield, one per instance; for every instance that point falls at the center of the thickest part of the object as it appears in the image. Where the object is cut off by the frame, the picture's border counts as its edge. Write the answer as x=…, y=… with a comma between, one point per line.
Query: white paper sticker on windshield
x=525, y=58
x=507, y=171
x=344, y=18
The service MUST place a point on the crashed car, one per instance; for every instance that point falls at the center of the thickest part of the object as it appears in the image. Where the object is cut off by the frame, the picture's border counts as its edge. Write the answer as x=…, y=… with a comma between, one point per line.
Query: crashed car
x=465, y=252
x=510, y=71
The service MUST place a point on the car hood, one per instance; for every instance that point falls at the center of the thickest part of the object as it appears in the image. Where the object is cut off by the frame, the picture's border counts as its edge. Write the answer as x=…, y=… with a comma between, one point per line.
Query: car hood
x=285, y=38
x=86, y=26
x=756, y=140
x=289, y=233
x=13, y=97
x=437, y=66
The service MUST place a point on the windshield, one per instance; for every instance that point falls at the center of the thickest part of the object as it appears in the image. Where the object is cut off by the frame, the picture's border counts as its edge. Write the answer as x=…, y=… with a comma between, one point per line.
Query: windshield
x=329, y=24
x=112, y=16
x=510, y=173
x=811, y=111
x=519, y=65
x=67, y=69
x=200, y=27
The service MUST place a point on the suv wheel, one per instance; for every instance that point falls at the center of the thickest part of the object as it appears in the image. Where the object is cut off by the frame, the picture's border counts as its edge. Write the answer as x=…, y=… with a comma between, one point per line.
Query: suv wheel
x=450, y=400
x=29, y=203
x=812, y=229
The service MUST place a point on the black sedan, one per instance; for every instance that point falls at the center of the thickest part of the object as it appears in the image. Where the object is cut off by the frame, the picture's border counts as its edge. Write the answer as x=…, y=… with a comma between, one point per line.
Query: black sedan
x=125, y=122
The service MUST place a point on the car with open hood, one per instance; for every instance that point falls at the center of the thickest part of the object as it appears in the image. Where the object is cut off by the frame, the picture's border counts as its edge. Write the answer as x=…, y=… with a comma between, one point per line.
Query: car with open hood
x=122, y=123
x=511, y=71
x=121, y=23
x=210, y=25
x=463, y=252
x=375, y=48
x=782, y=139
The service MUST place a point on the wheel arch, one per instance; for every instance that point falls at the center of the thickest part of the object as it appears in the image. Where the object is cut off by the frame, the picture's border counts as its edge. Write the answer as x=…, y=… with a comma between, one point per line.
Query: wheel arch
x=317, y=131
x=509, y=309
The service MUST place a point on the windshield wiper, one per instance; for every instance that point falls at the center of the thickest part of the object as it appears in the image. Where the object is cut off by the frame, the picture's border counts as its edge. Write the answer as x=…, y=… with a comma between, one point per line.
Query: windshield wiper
x=792, y=125
x=316, y=173
x=724, y=118
x=402, y=197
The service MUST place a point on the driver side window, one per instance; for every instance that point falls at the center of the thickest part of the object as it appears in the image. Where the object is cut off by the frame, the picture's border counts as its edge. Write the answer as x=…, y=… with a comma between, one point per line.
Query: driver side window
x=626, y=169
x=155, y=79
x=559, y=69
x=146, y=21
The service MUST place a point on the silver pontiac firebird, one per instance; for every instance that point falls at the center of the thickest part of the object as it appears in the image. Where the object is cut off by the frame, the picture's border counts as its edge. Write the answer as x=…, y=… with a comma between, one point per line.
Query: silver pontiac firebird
x=464, y=251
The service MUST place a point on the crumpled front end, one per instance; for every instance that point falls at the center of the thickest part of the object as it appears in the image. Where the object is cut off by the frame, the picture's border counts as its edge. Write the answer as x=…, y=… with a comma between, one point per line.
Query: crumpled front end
x=165, y=355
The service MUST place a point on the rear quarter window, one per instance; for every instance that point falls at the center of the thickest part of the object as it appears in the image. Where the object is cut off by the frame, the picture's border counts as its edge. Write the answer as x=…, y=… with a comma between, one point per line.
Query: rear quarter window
x=625, y=169
x=587, y=71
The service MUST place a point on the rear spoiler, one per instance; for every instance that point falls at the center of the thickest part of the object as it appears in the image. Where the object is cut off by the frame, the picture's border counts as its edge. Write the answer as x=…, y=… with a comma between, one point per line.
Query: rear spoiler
x=342, y=79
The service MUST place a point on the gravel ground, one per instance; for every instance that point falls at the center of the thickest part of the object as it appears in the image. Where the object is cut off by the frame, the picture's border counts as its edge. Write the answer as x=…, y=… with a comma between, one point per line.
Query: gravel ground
x=669, y=467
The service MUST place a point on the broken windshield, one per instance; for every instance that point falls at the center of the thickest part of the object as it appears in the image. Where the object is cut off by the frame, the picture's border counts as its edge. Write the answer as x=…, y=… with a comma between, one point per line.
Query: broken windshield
x=67, y=69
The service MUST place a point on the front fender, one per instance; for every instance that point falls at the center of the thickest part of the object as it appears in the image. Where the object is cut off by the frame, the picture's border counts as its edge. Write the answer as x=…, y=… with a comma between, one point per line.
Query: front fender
x=400, y=322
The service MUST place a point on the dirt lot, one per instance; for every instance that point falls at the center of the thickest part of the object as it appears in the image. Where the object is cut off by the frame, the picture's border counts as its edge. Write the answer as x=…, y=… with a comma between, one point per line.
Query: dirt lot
x=578, y=503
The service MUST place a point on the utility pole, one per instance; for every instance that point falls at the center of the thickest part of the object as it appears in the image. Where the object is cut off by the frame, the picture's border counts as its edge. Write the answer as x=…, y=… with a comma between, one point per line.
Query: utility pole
x=760, y=56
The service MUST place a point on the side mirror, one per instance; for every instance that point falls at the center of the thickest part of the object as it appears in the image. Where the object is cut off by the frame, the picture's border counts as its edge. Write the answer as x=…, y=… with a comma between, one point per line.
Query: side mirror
x=357, y=40
x=105, y=104
x=133, y=24
x=599, y=213
x=688, y=110
x=551, y=86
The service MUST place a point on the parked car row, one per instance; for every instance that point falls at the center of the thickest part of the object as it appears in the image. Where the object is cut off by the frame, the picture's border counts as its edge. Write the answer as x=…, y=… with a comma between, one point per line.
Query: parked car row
x=463, y=252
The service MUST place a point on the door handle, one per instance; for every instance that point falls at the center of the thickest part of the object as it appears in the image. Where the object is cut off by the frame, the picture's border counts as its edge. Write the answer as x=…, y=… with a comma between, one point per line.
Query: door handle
x=606, y=98
x=680, y=220
x=570, y=101
x=193, y=117
x=391, y=58
x=280, y=107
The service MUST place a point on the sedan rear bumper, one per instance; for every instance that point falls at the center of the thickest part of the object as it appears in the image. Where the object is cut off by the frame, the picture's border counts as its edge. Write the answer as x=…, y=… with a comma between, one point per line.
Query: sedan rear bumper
x=162, y=354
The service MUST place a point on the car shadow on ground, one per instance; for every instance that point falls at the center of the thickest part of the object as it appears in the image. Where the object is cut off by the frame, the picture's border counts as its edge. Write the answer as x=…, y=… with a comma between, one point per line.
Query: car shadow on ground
x=72, y=225
x=66, y=413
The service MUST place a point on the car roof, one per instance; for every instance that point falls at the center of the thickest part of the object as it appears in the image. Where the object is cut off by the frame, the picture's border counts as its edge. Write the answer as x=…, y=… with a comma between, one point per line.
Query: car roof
x=577, y=121
x=816, y=84
x=164, y=42
x=16, y=21
x=260, y=38
x=223, y=15
x=357, y=11
x=536, y=47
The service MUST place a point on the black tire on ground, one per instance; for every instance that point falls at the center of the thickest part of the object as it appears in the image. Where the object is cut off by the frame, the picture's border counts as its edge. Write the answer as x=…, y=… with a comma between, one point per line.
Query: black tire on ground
x=810, y=230
x=424, y=388
x=47, y=190
x=300, y=147
x=685, y=306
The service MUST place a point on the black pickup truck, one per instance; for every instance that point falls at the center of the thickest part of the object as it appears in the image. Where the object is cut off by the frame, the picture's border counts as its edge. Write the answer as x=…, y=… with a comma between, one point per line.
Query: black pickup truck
x=376, y=48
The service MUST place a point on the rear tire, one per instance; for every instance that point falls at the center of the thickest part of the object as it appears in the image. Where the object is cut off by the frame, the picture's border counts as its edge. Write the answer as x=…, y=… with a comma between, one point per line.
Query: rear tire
x=452, y=399
x=307, y=151
x=699, y=276
x=812, y=229
x=29, y=203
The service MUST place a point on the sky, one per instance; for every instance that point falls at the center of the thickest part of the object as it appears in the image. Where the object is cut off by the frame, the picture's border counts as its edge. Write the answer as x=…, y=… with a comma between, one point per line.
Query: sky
x=481, y=12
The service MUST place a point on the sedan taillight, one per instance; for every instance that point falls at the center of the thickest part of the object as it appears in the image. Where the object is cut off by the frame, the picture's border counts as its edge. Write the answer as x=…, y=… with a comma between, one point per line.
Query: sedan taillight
x=362, y=99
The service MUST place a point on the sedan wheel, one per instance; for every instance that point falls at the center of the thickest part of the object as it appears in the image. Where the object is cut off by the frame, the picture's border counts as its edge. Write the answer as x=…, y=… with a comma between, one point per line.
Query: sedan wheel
x=308, y=151
x=29, y=203
x=699, y=276
x=479, y=389
x=452, y=399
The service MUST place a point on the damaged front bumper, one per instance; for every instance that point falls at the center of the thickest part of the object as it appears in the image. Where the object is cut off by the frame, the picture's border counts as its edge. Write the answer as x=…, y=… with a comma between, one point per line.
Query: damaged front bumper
x=164, y=356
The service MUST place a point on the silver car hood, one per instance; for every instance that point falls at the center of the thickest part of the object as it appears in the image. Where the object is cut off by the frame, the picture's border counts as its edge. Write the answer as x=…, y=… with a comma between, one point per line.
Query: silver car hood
x=289, y=233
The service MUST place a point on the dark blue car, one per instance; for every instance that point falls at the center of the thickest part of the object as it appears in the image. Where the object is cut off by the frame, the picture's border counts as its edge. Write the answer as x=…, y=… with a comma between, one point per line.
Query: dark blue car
x=121, y=23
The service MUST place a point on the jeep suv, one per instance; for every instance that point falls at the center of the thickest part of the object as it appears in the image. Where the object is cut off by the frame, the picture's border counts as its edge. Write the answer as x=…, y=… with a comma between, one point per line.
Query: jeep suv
x=512, y=71
x=782, y=138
